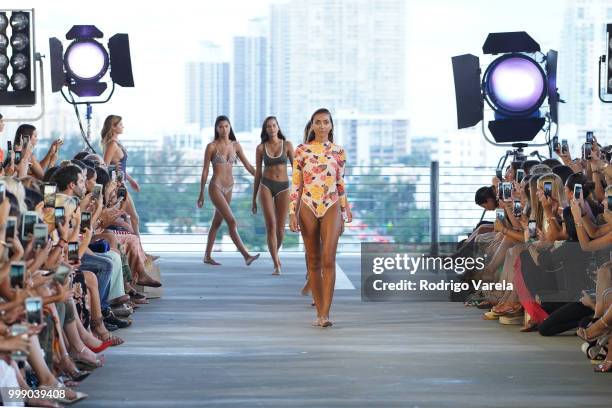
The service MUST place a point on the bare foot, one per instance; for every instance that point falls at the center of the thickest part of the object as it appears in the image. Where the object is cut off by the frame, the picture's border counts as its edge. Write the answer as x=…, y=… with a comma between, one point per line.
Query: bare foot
x=305, y=289
x=250, y=259
x=317, y=322
x=325, y=322
x=210, y=261
x=277, y=271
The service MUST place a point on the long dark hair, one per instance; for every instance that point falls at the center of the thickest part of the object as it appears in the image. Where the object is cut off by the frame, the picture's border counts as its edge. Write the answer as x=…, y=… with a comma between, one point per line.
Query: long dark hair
x=264, y=134
x=23, y=130
x=306, y=131
x=311, y=134
x=223, y=118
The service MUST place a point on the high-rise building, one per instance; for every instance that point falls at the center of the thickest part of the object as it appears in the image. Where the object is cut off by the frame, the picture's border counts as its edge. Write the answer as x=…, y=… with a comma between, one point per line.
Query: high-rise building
x=207, y=87
x=583, y=41
x=250, y=87
x=372, y=139
x=339, y=54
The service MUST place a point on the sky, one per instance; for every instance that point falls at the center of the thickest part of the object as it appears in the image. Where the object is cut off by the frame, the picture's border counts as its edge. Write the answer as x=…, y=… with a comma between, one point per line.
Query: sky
x=163, y=38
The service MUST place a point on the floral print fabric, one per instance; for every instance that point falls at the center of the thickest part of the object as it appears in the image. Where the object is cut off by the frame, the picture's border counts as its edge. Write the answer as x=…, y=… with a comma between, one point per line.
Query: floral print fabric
x=318, y=169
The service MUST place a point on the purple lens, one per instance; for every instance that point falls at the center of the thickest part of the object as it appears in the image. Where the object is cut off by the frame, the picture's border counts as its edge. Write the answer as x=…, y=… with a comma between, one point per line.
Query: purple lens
x=516, y=85
x=86, y=60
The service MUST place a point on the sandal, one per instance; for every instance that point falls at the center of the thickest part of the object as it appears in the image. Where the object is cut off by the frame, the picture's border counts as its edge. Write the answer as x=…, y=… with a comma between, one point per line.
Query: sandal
x=107, y=336
x=68, y=367
x=79, y=360
x=605, y=367
x=582, y=332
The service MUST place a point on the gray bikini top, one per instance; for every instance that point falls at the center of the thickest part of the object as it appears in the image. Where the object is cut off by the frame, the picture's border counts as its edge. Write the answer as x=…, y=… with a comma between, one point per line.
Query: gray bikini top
x=272, y=161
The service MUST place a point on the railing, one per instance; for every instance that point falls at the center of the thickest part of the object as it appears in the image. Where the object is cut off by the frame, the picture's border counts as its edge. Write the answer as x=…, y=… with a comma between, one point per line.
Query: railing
x=390, y=203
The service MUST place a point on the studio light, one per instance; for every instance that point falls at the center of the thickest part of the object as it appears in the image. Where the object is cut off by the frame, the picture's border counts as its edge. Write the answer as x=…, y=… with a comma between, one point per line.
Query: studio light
x=606, y=90
x=515, y=86
x=86, y=62
x=17, y=70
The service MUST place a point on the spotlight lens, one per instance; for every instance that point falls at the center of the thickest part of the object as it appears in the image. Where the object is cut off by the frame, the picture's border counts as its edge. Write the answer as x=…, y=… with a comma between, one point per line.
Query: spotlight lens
x=4, y=82
x=19, y=81
x=19, y=41
x=516, y=85
x=19, y=21
x=3, y=22
x=3, y=42
x=86, y=60
x=19, y=62
x=4, y=61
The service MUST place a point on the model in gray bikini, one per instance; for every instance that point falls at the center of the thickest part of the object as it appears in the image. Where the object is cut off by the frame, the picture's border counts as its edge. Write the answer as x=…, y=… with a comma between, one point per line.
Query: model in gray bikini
x=274, y=153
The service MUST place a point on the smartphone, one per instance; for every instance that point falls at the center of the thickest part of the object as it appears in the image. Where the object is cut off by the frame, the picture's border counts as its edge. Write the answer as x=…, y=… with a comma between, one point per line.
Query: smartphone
x=34, y=310
x=532, y=229
x=11, y=227
x=112, y=172
x=555, y=143
x=517, y=208
x=520, y=175
x=500, y=215
x=19, y=330
x=609, y=202
x=49, y=191
x=589, y=137
x=25, y=141
x=97, y=191
x=577, y=191
x=17, y=157
x=59, y=215
x=121, y=193
x=507, y=191
x=73, y=252
x=61, y=273
x=119, y=176
x=499, y=191
x=85, y=221
x=564, y=146
x=28, y=219
x=548, y=188
x=9, y=147
x=41, y=231
x=586, y=151
x=17, y=274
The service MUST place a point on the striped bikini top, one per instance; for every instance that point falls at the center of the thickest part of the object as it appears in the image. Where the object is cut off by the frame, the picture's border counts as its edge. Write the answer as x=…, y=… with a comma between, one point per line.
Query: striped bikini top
x=274, y=160
x=219, y=159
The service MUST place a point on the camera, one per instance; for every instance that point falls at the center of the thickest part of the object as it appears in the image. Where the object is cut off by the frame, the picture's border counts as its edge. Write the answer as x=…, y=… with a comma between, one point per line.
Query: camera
x=587, y=148
x=577, y=191
x=121, y=193
x=19, y=330
x=548, y=188
x=73, y=252
x=507, y=191
x=11, y=227
x=17, y=157
x=520, y=175
x=97, y=191
x=589, y=137
x=532, y=229
x=28, y=219
x=517, y=208
x=61, y=273
x=555, y=143
x=564, y=146
x=49, y=191
x=59, y=215
x=17, y=274
x=85, y=221
x=33, y=307
x=41, y=230
x=500, y=215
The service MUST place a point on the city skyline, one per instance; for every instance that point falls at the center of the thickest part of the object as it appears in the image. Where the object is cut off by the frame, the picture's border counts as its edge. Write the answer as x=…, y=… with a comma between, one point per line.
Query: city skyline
x=434, y=32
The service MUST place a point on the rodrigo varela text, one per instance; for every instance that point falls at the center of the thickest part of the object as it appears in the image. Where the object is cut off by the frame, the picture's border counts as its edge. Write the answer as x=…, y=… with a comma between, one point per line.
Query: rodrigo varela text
x=425, y=285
